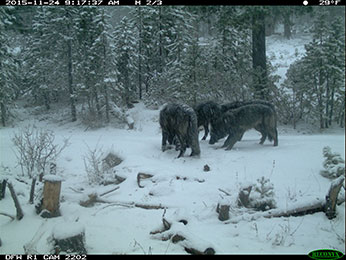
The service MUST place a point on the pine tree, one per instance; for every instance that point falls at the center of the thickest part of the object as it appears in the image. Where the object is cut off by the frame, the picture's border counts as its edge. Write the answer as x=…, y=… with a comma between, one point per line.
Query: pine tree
x=335, y=69
x=105, y=60
x=63, y=32
x=8, y=67
x=41, y=58
x=318, y=78
x=126, y=57
x=87, y=69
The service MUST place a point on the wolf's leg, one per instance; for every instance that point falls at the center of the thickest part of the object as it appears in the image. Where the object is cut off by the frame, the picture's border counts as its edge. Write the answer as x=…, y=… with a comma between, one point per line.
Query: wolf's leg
x=164, y=141
x=206, y=130
x=233, y=140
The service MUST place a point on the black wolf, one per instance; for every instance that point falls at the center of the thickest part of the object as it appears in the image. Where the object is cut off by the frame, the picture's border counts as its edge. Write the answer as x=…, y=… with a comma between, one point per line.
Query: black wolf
x=233, y=105
x=206, y=112
x=209, y=111
x=236, y=121
x=179, y=122
x=237, y=104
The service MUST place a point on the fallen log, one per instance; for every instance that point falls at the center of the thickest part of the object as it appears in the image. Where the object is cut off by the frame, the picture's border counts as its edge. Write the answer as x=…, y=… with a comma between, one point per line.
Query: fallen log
x=328, y=206
x=95, y=198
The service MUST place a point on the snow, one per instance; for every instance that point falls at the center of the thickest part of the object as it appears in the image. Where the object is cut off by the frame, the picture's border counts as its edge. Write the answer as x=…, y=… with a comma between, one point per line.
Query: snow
x=67, y=229
x=52, y=178
x=282, y=52
x=182, y=186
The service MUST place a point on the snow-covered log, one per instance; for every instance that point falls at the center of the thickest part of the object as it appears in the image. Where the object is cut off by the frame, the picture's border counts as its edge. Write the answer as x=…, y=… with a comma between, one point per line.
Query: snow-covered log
x=318, y=205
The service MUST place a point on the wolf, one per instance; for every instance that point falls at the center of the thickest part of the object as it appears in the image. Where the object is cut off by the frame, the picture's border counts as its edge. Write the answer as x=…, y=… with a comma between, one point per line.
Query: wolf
x=234, y=105
x=179, y=126
x=206, y=112
x=235, y=122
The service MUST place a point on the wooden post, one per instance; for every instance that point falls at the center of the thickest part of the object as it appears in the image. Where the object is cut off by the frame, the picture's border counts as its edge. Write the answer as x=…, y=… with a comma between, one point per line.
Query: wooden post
x=32, y=190
x=51, y=195
x=3, y=189
x=20, y=214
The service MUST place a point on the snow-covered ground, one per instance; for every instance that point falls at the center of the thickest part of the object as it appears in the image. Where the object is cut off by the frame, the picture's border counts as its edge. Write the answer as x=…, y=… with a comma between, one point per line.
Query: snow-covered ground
x=186, y=190
x=182, y=186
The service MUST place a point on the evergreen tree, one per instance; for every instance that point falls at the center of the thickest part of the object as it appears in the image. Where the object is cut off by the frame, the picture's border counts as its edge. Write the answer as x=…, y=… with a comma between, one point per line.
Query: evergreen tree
x=8, y=67
x=106, y=68
x=88, y=61
x=126, y=58
x=318, y=79
x=41, y=60
x=335, y=70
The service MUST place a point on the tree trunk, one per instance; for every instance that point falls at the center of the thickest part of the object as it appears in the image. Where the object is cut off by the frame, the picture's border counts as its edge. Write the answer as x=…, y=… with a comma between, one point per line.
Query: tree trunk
x=46, y=99
x=331, y=110
x=69, y=73
x=270, y=25
x=161, y=54
x=140, y=52
x=287, y=27
x=259, y=54
x=326, y=121
x=97, y=101
x=3, y=113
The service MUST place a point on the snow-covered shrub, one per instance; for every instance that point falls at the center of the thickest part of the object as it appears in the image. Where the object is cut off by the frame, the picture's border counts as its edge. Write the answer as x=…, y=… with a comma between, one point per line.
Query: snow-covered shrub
x=334, y=165
x=36, y=150
x=93, y=165
x=99, y=166
x=259, y=196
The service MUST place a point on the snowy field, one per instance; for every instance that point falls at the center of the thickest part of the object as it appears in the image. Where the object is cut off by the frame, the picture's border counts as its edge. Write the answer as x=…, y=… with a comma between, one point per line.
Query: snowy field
x=186, y=190
x=182, y=186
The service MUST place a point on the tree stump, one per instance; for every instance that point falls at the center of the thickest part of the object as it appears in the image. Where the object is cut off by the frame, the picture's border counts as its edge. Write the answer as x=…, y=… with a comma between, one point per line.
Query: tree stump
x=51, y=196
x=243, y=196
x=69, y=238
x=223, y=209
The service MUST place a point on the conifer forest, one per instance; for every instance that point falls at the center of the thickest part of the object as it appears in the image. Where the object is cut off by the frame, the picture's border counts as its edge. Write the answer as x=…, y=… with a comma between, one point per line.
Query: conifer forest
x=93, y=59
